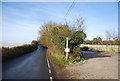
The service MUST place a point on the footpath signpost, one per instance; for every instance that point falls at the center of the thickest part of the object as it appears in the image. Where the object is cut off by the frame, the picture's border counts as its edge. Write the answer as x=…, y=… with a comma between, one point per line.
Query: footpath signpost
x=67, y=49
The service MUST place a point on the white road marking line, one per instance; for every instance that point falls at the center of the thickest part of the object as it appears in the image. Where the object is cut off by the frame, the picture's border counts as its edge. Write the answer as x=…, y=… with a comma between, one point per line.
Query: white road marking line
x=48, y=63
x=51, y=79
x=49, y=71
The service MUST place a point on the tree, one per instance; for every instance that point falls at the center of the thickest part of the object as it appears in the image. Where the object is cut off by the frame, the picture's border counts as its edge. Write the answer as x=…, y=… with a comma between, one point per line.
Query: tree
x=53, y=36
x=108, y=35
x=99, y=40
x=112, y=37
x=111, y=34
x=47, y=27
x=34, y=42
x=95, y=41
x=76, y=39
x=114, y=34
x=116, y=40
x=44, y=33
x=78, y=24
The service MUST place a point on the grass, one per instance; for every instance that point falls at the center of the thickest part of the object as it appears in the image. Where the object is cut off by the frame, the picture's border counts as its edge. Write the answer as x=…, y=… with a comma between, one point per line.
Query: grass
x=58, y=60
x=10, y=53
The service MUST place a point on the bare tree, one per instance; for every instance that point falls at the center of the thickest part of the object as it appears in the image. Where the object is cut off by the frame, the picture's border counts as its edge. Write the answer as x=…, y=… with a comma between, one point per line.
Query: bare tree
x=47, y=26
x=114, y=34
x=111, y=34
x=108, y=35
x=79, y=23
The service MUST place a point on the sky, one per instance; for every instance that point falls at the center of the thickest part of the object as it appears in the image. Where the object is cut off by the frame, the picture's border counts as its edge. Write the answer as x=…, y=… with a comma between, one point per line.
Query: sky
x=21, y=20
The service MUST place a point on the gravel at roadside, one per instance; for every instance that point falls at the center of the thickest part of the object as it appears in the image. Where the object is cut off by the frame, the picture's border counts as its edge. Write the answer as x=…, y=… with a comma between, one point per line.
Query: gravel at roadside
x=95, y=67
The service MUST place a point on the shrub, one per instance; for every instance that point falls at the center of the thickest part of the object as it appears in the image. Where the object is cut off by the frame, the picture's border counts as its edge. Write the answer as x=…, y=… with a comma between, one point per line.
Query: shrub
x=9, y=53
x=53, y=36
x=34, y=42
x=84, y=48
x=105, y=42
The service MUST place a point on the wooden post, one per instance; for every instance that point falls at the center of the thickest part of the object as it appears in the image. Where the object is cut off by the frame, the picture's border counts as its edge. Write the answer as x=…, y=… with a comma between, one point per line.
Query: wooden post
x=66, y=55
x=67, y=47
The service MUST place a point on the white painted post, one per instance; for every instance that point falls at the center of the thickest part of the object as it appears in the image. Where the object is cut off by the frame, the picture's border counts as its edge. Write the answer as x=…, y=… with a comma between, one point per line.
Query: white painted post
x=67, y=47
x=67, y=42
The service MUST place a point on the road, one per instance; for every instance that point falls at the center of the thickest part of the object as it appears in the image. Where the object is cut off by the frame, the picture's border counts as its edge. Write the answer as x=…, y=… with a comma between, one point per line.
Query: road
x=33, y=65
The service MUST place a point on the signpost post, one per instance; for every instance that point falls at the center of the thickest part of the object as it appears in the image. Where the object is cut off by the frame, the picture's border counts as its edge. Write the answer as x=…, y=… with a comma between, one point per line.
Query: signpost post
x=67, y=49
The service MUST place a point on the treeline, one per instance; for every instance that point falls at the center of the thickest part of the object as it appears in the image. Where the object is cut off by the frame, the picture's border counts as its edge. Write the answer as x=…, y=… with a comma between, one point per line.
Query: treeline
x=99, y=41
x=53, y=36
x=10, y=53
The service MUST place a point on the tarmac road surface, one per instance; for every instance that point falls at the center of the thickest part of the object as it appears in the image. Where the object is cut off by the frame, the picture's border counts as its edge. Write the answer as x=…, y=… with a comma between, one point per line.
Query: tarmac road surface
x=33, y=65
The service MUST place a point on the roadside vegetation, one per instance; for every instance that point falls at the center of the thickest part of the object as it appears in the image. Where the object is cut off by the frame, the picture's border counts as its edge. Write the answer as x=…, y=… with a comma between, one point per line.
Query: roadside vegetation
x=111, y=38
x=53, y=36
x=99, y=41
x=10, y=53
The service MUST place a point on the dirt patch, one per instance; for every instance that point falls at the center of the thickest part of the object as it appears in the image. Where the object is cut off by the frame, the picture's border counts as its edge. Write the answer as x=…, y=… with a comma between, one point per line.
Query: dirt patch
x=95, y=67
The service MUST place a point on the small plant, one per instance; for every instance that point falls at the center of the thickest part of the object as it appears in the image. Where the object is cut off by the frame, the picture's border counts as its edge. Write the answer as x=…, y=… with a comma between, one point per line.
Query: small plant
x=75, y=58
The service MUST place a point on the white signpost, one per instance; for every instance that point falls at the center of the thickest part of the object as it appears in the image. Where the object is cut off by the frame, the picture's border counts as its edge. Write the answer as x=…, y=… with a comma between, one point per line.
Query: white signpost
x=67, y=49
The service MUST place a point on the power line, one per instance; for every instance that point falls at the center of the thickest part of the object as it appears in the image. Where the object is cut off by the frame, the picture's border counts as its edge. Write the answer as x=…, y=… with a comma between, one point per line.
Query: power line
x=72, y=5
x=69, y=10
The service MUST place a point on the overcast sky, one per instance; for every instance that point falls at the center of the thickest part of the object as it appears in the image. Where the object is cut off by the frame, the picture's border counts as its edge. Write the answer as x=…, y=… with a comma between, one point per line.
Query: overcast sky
x=21, y=20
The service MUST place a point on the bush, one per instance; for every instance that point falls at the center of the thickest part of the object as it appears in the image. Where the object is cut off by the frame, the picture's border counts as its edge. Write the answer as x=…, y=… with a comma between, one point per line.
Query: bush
x=108, y=42
x=34, y=42
x=84, y=48
x=9, y=53
x=53, y=36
